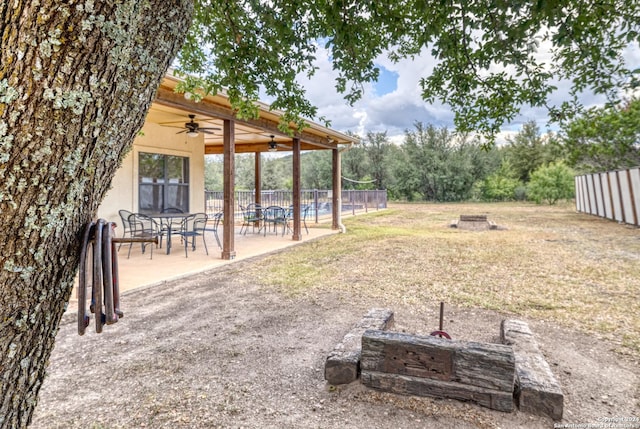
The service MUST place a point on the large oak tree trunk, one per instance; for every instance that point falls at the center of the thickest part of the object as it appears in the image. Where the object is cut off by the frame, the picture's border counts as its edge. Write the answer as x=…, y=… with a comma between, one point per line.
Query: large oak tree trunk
x=76, y=81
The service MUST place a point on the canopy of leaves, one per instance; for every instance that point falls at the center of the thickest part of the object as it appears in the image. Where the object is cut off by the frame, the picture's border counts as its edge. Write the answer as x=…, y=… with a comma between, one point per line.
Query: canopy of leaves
x=604, y=139
x=491, y=58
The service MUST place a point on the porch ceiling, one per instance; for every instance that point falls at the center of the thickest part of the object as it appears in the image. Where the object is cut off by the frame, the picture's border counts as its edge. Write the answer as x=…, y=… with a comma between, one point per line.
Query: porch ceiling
x=251, y=135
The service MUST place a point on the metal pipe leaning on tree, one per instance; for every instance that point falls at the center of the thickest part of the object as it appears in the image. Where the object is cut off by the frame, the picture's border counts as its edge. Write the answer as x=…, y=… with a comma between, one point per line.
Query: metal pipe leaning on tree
x=105, y=289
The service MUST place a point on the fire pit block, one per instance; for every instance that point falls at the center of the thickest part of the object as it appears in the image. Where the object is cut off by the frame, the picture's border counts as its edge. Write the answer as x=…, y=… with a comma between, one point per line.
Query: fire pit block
x=537, y=390
x=408, y=364
x=473, y=218
x=473, y=223
x=343, y=363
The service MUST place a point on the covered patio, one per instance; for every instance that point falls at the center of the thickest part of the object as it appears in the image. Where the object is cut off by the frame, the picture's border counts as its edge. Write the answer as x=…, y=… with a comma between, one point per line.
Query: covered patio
x=222, y=132
x=165, y=168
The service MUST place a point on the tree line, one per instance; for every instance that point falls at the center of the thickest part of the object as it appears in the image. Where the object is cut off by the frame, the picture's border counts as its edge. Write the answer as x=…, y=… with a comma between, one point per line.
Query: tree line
x=436, y=164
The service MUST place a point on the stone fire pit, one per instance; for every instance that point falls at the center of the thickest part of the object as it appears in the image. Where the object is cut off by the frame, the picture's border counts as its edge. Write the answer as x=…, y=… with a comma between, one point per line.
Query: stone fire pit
x=473, y=223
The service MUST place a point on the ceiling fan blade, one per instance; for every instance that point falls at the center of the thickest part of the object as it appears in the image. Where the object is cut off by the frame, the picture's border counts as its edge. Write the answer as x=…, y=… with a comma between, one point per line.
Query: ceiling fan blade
x=205, y=131
x=210, y=128
x=183, y=131
x=171, y=126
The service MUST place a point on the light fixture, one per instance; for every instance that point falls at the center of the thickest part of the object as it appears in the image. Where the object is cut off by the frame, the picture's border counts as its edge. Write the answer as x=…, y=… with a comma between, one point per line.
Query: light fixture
x=273, y=146
x=192, y=133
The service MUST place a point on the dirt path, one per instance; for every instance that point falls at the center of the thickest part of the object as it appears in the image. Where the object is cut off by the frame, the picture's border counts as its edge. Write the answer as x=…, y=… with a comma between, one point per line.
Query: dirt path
x=220, y=350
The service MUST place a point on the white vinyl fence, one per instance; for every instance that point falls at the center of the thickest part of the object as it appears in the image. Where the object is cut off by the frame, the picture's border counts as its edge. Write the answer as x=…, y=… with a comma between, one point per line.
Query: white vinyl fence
x=614, y=195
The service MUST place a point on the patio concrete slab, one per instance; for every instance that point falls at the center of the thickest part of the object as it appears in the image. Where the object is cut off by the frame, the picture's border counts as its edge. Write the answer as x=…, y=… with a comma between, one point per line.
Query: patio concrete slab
x=140, y=270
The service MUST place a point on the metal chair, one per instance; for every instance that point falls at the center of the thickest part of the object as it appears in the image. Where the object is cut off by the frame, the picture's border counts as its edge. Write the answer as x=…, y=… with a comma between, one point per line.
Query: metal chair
x=142, y=226
x=276, y=216
x=208, y=227
x=304, y=214
x=193, y=226
x=252, y=215
x=304, y=211
x=126, y=226
x=289, y=218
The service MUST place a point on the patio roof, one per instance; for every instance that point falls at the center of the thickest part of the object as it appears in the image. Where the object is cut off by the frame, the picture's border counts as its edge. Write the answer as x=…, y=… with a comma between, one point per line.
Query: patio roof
x=251, y=135
x=229, y=135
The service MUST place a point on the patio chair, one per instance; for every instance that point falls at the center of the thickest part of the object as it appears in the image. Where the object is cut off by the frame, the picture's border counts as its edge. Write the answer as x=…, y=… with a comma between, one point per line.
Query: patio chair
x=304, y=211
x=252, y=215
x=208, y=227
x=193, y=226
x=142, y=226
x=175, y=223
x=289, y=218
x=276, y=216
x=126, y=226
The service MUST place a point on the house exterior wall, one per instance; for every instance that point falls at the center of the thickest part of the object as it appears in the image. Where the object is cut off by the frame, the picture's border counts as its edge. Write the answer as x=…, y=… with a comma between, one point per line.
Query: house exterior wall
x=155, y=138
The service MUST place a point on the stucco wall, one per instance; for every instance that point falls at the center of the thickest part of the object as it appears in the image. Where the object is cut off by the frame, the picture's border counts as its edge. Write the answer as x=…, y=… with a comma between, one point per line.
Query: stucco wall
x=155, y=139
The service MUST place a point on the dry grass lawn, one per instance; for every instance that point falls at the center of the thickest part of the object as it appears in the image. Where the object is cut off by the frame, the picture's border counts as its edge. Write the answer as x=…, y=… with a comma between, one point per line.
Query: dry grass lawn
x=548, y=263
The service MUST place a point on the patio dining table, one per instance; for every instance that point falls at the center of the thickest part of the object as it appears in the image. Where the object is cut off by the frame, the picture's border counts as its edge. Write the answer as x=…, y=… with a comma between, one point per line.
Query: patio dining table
x=166, y=219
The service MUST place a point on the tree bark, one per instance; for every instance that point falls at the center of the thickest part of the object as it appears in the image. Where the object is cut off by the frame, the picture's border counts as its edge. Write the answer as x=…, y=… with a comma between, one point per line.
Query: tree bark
x=76, y=81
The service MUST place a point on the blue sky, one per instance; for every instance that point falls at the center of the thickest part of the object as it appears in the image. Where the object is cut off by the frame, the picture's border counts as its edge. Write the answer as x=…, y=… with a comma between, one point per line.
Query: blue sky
x=394, y=103
x=387, y=82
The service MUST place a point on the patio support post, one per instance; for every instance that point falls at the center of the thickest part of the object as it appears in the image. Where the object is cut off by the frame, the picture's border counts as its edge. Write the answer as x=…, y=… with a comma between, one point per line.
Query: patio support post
x=228, y=245
x=297, y=236
x=258, y=179
x=336, y=206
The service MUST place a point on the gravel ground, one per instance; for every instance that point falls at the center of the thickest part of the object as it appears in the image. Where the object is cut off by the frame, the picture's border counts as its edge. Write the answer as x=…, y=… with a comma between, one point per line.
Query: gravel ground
x=222, y=349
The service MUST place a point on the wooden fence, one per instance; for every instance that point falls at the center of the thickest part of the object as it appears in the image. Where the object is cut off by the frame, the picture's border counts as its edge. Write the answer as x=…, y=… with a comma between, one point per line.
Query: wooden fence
x=614, y=195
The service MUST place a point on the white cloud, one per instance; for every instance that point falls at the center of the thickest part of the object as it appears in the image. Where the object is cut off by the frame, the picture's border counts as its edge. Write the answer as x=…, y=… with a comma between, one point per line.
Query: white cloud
x=398, y=110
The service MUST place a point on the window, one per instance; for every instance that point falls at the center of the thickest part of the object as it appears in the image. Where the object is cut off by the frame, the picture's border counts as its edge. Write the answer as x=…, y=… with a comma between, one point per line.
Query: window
x=163, y=182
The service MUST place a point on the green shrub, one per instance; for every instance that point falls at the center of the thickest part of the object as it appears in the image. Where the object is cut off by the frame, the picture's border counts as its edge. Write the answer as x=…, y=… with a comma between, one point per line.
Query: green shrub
x=501, y=185
x=500, y=188
x=477, y=191
x=521, y=193
x=551, y=183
